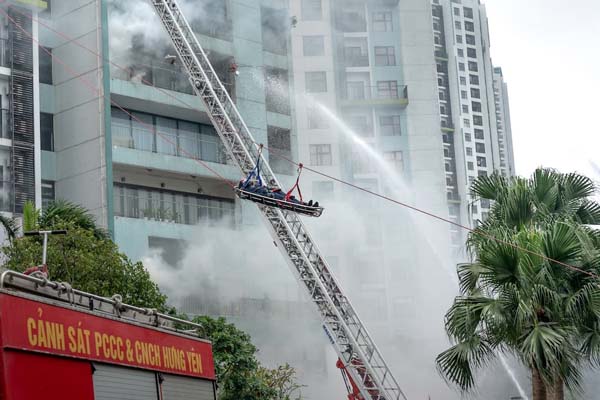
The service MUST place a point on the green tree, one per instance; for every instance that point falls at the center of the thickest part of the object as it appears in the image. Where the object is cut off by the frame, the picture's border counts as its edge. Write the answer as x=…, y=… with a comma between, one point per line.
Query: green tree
x=86, y=257
x=514, y=299
x=283, y=380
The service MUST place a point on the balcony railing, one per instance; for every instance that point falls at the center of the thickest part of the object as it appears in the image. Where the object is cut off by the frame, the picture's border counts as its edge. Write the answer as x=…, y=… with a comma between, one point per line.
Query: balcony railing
x=383, y=94
x=201, y=146
x=177, y=208
x=361, y=60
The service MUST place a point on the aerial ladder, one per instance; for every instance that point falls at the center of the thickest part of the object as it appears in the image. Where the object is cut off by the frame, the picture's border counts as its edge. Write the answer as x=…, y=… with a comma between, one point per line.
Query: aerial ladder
x=359, y=358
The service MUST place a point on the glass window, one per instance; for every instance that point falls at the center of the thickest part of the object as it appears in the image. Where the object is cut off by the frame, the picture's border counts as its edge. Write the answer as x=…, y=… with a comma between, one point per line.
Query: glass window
x=382, y=21
x=360, y=124
x=473, y=66
x=320, y=154
x=387, y=89
x=475, y=93
x=470, y=39
x=468, y=137
x=211, y=147
x=45, y=67
x=47, y=131
x=469, y=26
x=48, y=194
x=465, y=109
x=316, y=82
x=469, y=151
x=456, y=11
x=461, y=66
x=166, y=136
x=142, y=131
x=189, y=139
x=480, y=147
x=476, y=106
x=314, y=46
x=474, y=79
x=479, y=134
x=477, y=120
x=274, y=23
x=468, y=12
x=390, y=125
x=355, y=90
x=460, y=52
x=312, y=10
x=471, y=52
x=277, y=90
x=459, y=39
x=385, y=56
x=481, y=162
x=457, y=25
x=463, y=94
x=463, y=80
x=467, y=122
x=395, y=159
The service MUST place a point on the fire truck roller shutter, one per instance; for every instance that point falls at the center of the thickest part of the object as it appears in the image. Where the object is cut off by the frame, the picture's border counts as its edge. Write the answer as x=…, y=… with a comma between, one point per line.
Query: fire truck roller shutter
x=120, y=383
x=182, y=388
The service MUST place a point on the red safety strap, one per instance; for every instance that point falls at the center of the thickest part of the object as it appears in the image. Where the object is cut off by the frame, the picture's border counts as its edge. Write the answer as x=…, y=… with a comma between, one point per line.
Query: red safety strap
x=296, y=185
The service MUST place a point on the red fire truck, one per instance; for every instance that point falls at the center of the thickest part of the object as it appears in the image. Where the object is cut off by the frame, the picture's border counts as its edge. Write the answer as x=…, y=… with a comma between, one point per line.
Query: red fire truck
x=60, y=343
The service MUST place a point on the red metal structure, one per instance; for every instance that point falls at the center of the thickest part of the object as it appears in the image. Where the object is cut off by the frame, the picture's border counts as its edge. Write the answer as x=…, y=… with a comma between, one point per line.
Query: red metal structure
x=59, y=343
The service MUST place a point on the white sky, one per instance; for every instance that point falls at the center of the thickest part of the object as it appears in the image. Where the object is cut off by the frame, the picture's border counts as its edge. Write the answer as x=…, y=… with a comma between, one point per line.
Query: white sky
x=549, y=52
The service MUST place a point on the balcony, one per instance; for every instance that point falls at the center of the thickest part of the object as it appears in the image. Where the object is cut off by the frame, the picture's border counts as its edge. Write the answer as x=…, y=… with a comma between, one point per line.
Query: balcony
x=356, y=60
x=160, y=75
x=197, y=146
x=357, y=95
x=169, y=206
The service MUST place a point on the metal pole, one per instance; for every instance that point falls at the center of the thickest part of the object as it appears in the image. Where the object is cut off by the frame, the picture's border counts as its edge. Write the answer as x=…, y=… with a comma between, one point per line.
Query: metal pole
x=45, y=251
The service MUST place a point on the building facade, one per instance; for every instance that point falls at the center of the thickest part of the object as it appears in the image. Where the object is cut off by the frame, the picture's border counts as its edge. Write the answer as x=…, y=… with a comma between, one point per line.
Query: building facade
x=474, y=111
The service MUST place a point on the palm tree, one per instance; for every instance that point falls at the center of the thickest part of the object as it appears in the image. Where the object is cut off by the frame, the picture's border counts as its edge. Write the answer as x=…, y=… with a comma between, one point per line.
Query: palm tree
x=60, y=212
x=532, y=290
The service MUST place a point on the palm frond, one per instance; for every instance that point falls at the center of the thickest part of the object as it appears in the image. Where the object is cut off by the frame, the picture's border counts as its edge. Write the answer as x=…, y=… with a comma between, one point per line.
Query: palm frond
x=589, y=213
x=544, y=184
x=457, y=363
x=577, y=187
x=62, y=211
x=468, y=277
x=30, y=217
x=489, y=187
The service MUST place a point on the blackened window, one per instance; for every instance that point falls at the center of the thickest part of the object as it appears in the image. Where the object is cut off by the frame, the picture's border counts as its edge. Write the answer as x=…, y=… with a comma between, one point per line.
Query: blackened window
x=473, y=66
x=470, y=39
x=468, y=12
x=47, y=131
x=480, y=147
x=476, y=106
x=475, y=93
x=382, y=21
x=280, y=142
x=469, y=26
x=474, y=79
x=479, y=134
x=312, y=10
x=385, y=56
x=45, y=65
x=275, y=30
x=471, y=52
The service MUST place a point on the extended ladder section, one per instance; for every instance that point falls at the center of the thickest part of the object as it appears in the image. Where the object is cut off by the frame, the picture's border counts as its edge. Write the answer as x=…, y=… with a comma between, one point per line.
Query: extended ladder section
x=352, y=342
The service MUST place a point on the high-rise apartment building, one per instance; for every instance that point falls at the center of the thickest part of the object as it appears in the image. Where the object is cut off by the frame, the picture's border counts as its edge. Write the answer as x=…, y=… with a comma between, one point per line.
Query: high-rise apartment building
x=474, y=112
